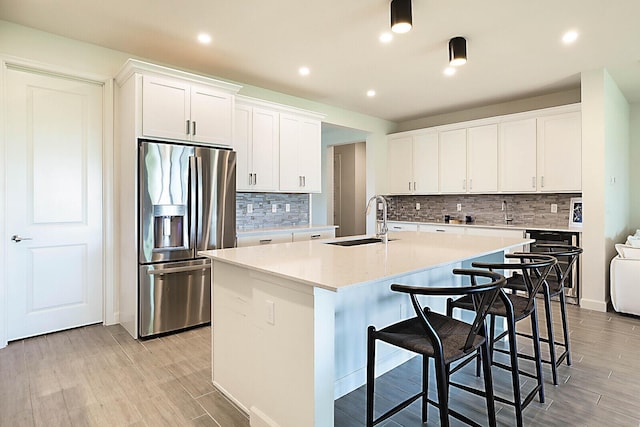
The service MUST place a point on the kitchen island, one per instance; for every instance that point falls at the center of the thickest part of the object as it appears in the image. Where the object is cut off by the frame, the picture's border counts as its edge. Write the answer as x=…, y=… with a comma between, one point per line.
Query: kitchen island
x=289, y=320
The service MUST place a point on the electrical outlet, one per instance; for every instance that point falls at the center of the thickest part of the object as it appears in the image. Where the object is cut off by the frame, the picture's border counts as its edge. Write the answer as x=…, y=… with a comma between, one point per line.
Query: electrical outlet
x=379, y=206
x=249, y=208
x=459, y=207
x=270, y=312
x=274, y=208
x=554, y=208
x=287, y=207
x=417, y=206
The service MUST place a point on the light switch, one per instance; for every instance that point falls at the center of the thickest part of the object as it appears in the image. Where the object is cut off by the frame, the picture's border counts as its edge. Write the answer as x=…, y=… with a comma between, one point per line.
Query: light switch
x=274, y=208
x=249, y=208
x=554, y=208
x=417, y=206
x=459, y=207
x=270, y=312
x=287, y=207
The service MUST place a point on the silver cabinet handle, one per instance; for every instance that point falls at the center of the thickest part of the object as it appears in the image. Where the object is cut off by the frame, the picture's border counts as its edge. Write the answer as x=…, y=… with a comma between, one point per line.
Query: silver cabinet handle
x=265, y=241
x=188, y=126
x=414, y=186
x=470, y=183
x=304, y=180
x=409, y=185
x=194, y=128
x=17, y=238
x=533, y=182
x=464, y=184
x=542, y=182
x=315, y=236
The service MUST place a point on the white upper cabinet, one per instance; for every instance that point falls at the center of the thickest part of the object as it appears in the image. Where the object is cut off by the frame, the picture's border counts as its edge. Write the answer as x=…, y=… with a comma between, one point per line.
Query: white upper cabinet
x=413, y=163
x=482, y=159
x=256, y=143
x=176, y=109
x=560, y=152
x=535, y=151
x=518, y=156
x=453, y=161
x=300, y=154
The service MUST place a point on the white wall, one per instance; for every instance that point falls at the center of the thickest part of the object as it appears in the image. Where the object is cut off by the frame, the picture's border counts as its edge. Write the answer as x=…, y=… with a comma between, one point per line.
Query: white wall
x=605, y=153
x=634, y=167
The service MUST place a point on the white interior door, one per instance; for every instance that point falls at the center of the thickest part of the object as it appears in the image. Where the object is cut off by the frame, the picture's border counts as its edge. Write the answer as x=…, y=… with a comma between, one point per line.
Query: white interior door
x=54, y=203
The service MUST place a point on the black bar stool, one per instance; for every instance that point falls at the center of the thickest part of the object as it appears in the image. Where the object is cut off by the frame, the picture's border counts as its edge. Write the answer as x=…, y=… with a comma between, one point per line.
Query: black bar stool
x=513, y=307
x=441, y=338
x=554, y=286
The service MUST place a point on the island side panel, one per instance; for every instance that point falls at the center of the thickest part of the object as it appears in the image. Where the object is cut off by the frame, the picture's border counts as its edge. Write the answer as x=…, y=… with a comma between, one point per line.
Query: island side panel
x=272, y=347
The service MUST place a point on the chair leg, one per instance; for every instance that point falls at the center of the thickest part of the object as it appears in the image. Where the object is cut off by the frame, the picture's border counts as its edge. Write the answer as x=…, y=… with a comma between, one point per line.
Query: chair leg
x=515, y=370
x=565, y=326
x=488, y=384
x=536, y=352
x=371, y=355
x=425, y=387
x=442, y=379
x=550, y=335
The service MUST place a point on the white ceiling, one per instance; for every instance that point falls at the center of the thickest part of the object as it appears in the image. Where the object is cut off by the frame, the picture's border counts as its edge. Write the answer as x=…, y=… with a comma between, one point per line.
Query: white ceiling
x=514, y=46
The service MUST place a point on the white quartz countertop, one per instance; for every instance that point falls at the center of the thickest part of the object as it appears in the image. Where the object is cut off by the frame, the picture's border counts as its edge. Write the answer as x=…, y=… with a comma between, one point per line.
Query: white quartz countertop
x=254, y=231
x=333, y=267
x=540, y=227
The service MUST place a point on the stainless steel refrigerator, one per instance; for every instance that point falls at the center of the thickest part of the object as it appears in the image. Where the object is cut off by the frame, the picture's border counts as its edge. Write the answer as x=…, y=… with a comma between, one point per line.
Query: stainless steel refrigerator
x=186, y=204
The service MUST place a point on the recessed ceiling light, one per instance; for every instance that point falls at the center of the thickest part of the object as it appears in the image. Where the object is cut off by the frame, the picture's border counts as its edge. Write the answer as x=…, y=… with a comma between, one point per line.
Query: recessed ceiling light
x=385, y=37
x=570, y=37
x=304, y=71
x=204, y=38
x=449, y=71
x=371, y=93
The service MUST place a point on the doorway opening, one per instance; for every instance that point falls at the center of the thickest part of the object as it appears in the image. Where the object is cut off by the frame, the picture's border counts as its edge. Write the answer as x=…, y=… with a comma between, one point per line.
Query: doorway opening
x=349, y=188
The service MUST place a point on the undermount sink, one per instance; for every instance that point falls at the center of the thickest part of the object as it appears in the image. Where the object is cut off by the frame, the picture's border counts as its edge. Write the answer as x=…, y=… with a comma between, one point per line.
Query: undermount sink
x=357, y=242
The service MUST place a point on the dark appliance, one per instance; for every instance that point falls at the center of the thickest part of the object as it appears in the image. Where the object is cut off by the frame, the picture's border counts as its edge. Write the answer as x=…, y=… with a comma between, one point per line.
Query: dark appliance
x=572, y=287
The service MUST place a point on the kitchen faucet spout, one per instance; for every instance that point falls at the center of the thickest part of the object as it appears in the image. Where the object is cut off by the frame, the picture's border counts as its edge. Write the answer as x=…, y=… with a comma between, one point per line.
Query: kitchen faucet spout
x=381, y=226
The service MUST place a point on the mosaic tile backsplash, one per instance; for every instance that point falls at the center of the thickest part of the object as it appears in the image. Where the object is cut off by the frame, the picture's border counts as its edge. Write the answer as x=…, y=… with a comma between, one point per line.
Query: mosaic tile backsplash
x=262, y=215
x=523, y=209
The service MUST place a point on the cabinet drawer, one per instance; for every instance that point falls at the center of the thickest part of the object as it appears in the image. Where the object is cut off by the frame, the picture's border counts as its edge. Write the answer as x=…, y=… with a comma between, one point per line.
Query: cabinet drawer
x=402, y=226
x=441, y=229
x=299, y=236
x=264, y=239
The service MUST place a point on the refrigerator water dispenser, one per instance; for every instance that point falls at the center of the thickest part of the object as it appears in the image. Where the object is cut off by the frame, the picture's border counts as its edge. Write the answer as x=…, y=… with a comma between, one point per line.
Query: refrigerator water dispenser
x=169, y=230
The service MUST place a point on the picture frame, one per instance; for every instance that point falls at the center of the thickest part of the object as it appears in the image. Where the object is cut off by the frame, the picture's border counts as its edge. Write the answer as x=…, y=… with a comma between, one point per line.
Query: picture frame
x=575, y=212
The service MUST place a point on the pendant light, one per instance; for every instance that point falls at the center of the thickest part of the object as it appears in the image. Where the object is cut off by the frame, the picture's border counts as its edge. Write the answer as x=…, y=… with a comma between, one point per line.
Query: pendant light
x=401, y=20
x=457, y=51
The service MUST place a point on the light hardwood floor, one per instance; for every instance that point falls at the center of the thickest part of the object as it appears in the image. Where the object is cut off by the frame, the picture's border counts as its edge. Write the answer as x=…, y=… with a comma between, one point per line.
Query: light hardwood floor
x=100, y=376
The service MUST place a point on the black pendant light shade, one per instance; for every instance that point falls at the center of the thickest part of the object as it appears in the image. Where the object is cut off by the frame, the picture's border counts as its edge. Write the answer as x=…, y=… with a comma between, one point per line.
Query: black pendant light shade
x=457, y=51
x=401, y=20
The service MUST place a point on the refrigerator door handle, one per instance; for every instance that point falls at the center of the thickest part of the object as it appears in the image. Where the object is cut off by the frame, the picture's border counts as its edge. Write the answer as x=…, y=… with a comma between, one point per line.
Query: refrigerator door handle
x=193, y=201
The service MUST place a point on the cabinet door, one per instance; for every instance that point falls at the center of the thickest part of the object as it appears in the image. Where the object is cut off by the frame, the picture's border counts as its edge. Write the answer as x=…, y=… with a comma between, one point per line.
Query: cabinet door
x=560, y=152
x=165, y=108
x=482, y=159
x=290, y=176
x=242, y=145
x=265, y=150
x=211, y=116
x=309, y=154
x=453, y=161
x=425, y=163
x=518, y=156
x=399, y=165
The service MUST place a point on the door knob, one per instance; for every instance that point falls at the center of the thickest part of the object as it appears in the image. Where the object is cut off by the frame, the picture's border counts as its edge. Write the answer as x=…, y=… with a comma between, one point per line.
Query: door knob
x=16, y=238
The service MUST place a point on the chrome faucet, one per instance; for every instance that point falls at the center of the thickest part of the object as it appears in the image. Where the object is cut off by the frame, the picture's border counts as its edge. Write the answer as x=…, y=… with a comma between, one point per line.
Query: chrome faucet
x=381, y=226
x=505, y=208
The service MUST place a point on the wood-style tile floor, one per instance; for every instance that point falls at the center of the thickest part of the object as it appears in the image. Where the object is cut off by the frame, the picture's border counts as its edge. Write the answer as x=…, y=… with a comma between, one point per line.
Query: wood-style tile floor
x=100, y=376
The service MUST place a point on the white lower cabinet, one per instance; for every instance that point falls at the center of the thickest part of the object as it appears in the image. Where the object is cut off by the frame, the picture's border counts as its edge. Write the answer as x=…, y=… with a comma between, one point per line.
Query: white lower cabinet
x=264, y=239
x=300, y=236
x=285, y=236
x=402, y=226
